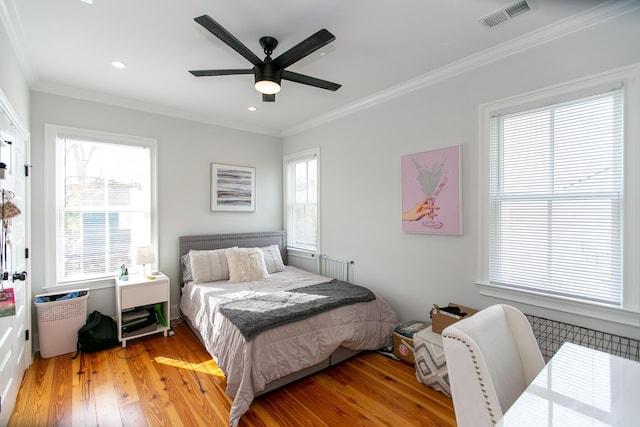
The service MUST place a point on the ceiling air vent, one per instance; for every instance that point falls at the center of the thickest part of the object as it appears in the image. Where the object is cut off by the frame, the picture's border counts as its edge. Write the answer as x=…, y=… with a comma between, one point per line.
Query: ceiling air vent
x=505, y=14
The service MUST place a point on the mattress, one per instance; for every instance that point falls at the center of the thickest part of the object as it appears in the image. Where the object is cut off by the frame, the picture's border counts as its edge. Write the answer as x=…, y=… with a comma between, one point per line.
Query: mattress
x=250, y=365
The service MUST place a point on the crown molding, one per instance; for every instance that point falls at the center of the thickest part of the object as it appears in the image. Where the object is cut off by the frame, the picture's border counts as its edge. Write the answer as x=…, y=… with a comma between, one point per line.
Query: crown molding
x=595, y=16
x=118, y=101
x=574, y=24
x=13, y=27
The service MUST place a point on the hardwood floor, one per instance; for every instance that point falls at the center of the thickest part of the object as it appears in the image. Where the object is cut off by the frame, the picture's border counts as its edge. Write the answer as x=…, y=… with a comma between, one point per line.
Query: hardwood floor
x=158, y=381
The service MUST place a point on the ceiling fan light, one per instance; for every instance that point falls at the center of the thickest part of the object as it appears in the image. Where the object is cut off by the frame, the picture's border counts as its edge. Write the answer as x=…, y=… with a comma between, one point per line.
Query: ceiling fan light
x=267, y=87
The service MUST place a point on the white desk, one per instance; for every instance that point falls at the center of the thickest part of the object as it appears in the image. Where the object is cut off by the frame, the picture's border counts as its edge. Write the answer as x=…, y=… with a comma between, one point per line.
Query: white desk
x=580, y=387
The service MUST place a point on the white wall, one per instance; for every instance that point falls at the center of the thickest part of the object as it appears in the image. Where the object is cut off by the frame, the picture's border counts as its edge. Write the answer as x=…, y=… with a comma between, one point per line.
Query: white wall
x=12, y=81
x=360, y=170
x=360, y=161
x=185, y=151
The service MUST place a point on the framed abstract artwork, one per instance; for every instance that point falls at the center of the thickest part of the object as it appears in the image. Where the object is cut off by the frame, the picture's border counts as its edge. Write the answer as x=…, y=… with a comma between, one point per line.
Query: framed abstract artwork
x=233, y=188
x=431, y=194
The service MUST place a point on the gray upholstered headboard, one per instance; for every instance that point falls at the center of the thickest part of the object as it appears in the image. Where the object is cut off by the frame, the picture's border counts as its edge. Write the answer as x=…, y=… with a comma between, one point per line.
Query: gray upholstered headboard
x=242, y=240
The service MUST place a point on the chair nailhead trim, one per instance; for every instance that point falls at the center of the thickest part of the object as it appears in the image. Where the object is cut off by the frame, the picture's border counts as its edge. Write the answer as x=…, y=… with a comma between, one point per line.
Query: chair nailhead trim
x=478, y=373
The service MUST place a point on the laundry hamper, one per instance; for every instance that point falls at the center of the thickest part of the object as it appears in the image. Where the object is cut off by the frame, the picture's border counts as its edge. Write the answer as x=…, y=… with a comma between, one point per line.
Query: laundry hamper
x=60, y=315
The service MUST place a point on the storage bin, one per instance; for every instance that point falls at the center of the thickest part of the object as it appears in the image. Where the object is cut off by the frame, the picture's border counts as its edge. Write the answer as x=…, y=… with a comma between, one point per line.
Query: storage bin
x=403, y=339
x=59, y=321
x=441, y=319
x=431, y=365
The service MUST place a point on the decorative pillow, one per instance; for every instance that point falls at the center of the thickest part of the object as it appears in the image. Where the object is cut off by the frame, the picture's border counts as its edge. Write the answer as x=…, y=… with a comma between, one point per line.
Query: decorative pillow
x=273, y=258
x=246, y=264
x=209, y=266
x=186, y=268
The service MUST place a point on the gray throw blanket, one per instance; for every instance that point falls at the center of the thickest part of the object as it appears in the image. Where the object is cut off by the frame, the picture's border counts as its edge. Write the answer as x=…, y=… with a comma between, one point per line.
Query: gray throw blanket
x=254, y=315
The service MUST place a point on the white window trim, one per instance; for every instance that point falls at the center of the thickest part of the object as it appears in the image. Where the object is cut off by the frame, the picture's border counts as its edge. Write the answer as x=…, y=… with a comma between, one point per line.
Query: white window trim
x=300, y=252
x=50, y=228
x=629, y=314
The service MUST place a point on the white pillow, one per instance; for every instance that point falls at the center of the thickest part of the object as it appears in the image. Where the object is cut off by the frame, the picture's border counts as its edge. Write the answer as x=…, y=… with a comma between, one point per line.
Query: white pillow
x=273, y=258
x=209, y=266
x=246, y=264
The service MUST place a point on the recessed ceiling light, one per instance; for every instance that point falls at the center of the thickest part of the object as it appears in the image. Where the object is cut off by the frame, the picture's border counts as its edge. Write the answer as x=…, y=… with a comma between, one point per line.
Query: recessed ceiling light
x=252, y=108
x=118, y=64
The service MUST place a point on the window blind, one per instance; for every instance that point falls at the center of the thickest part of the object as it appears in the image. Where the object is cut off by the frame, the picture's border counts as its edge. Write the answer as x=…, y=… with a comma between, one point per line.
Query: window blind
x=302, y=202
x=556, y=199
x=103, y=197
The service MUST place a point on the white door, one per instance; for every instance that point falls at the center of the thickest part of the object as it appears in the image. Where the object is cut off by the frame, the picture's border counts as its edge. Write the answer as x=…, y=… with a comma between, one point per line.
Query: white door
x=15, y=329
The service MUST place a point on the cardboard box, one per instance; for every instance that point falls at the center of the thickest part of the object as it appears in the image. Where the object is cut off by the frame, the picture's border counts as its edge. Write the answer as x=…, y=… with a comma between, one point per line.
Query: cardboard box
x=441, y=319
x=403, y=340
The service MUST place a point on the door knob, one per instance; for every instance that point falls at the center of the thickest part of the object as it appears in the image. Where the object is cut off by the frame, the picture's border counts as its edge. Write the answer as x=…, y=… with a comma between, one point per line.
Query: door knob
x=19, y=276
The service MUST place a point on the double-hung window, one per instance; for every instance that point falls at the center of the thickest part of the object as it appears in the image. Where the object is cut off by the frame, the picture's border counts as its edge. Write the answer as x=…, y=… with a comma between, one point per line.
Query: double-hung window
x=102, y=201
x=558, y=208
x=302, y=207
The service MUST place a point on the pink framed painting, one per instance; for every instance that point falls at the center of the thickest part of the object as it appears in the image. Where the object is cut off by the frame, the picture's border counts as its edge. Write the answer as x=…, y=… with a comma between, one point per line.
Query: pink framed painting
x=431, y=195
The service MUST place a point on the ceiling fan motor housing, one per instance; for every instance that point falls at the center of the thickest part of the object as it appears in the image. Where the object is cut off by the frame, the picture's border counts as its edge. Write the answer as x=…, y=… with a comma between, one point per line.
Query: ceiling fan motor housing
x=267, y=71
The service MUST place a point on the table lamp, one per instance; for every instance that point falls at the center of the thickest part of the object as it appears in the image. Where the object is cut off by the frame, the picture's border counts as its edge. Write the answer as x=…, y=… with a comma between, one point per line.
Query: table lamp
x=145, y=257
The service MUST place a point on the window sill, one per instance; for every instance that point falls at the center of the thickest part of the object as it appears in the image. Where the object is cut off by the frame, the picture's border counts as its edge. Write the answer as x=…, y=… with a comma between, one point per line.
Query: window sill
x=565, y=305
x=89, y=284
x=301, y=253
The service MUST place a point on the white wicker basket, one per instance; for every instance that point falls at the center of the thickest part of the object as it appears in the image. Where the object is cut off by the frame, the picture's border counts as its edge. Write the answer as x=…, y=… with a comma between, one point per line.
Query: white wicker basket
x=59, y=321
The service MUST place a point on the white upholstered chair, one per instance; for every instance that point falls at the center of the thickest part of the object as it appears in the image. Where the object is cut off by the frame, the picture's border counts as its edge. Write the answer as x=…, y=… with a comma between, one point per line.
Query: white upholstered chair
x=491, y=357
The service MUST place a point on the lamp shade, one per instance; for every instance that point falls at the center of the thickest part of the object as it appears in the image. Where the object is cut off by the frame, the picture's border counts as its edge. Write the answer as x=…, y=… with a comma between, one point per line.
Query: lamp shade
x=144, y=255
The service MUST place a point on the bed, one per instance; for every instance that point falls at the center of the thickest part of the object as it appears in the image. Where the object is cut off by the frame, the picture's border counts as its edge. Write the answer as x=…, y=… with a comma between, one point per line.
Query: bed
x=261, y=360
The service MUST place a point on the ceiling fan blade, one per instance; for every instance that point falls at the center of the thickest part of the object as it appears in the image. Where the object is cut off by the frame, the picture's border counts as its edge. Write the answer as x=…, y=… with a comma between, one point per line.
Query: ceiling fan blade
x=205, y=73
x=311, y=81
x=268, y=98
x=217, y=30
x=304, y=48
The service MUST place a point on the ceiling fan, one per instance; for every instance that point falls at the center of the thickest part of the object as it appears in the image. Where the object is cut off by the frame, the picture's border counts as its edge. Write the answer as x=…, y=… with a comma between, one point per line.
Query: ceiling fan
x=269, y=72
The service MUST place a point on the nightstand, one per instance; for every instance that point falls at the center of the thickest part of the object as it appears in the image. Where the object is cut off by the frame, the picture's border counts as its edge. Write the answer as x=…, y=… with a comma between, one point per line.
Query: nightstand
x=139, y=292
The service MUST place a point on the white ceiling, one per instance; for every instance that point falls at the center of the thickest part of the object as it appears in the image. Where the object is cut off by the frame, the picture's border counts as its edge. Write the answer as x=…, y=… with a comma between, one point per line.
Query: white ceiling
x=66, y=47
